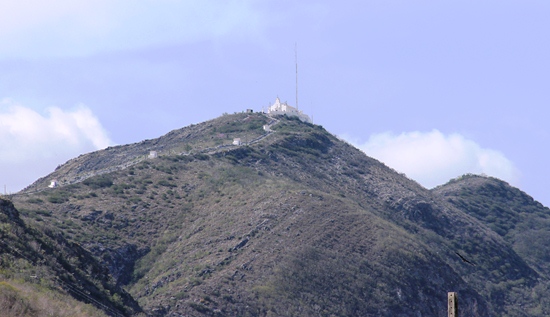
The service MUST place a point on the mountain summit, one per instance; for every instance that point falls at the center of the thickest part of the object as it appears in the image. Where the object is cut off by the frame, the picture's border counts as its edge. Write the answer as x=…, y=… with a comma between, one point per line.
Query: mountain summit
x=257, y=215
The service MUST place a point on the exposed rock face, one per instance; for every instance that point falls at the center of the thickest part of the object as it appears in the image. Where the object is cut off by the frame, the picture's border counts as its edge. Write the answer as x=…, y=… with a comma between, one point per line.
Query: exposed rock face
x=120, y=262
x=7, y=208
x=58, y=263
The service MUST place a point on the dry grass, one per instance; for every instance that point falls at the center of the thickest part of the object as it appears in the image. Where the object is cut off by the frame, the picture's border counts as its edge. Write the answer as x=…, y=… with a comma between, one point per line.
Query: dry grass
x=24, y=300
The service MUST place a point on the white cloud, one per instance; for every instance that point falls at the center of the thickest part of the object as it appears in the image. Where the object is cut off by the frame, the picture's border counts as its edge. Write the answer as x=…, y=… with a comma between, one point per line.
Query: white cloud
x=32, y=144
x=31, y=28
x=432, y=158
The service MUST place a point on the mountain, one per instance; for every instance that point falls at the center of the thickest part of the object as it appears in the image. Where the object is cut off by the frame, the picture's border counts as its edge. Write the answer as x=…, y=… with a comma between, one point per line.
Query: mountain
x=292, y=222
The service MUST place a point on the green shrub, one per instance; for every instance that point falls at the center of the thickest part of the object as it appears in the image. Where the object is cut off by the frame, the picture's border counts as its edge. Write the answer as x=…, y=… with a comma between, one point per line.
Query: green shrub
x=58, y=197
x=202, y=157
x=166, y=183
x=101, y=181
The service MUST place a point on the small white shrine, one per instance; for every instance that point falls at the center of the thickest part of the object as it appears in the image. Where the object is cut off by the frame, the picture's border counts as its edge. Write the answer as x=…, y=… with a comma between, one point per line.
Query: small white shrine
x=282, y=108
x=53, y=183
x=153, y=154
x=237, y=141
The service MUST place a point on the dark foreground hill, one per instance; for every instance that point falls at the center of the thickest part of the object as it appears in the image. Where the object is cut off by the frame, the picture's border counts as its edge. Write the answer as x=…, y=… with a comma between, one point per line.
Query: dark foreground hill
x=295, y=222
x=41, y=271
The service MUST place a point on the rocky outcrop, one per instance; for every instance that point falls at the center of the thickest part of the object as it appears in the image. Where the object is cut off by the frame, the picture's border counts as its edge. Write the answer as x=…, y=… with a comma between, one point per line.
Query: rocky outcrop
x=7, y=209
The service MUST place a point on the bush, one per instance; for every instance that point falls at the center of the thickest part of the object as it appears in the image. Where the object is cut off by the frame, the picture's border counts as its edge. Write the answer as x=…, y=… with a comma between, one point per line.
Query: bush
x=166, y=183
x=202, y=157
x=101, y=181
x=58, y=197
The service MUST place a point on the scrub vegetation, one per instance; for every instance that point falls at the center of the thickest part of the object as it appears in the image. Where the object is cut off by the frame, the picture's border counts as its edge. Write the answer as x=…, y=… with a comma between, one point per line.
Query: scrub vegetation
x=294, y=223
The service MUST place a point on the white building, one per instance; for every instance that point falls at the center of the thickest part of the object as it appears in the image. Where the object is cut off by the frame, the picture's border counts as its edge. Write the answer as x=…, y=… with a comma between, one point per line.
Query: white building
x=53, y=183
x=279, y=108
x=237, y=141
x=153, y=154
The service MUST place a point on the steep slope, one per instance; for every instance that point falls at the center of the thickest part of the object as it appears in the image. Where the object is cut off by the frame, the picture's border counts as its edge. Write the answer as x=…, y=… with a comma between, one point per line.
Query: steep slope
x=37, y=262
x=523, y=222
x=295, y=223
x=514, y=215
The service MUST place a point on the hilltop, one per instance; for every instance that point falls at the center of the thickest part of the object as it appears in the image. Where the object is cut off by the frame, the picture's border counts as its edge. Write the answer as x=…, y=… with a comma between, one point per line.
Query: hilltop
x=523, y=222
x=292, y=222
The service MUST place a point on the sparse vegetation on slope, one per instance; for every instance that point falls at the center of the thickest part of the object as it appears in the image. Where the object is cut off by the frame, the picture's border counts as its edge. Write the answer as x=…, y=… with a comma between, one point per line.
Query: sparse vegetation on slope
x=38, y=259
x=296, y=223
x=32, y=300
x=520, y=220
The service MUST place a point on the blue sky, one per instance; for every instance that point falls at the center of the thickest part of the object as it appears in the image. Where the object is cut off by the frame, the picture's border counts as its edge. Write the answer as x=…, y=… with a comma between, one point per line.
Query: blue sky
x=434, y=89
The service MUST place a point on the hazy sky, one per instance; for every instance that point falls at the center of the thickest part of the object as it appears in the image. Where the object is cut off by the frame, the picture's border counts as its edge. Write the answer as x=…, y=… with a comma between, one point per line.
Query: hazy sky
x=434, y=89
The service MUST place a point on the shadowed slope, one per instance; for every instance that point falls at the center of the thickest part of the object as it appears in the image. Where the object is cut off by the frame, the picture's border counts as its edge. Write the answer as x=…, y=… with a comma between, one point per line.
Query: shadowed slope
x=37, y=260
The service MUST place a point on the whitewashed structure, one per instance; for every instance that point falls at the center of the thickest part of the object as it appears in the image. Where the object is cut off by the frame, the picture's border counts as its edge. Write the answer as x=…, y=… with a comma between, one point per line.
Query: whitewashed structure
x=153, y=154
x=53, y=183
x=282, y=108
x=237, y=141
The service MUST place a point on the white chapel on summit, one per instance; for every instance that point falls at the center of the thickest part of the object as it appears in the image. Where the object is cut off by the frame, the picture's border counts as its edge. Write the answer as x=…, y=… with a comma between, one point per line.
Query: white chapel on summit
x=282, y=108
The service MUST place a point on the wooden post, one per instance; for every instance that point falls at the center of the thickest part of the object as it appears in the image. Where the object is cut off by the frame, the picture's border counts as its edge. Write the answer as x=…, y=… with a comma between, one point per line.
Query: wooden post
x=453, y=304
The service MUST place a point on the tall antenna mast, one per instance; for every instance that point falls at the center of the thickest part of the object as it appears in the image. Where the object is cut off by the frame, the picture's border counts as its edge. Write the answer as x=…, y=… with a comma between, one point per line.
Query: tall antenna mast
x=296, y=60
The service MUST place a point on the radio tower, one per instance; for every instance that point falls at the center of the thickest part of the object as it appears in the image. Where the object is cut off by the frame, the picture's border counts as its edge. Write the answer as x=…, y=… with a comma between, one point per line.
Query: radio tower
x=296, y=60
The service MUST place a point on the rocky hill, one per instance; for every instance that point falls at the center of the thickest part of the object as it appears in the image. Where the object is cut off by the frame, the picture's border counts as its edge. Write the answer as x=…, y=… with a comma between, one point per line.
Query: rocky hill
x=520, y=220
x=295, y=222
